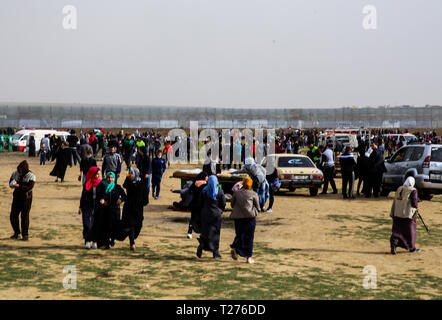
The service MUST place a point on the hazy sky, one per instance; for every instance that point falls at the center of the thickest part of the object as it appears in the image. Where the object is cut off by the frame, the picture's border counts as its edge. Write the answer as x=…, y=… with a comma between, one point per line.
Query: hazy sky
x=229, y=53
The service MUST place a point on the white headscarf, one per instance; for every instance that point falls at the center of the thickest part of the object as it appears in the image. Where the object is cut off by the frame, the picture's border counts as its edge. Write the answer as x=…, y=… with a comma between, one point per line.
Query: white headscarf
x=409, y=183
x=136, y=173
x=249, y=161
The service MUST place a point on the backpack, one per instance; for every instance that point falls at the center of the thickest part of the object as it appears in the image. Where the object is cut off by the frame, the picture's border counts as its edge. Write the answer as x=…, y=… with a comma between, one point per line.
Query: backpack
x=257, y=173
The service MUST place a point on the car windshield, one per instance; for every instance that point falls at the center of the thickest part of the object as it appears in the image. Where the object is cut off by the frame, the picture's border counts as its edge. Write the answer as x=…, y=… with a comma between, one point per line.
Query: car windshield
x=295, y=162
x=409, y=138
x=436, y=154
x=17, y=136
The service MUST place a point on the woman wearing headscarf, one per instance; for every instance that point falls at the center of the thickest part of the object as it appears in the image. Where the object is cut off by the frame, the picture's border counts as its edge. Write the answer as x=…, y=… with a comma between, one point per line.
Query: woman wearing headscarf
x=31, y=146
x=403, y=212
x=195, y=205
x=132, y=221
x=63, y=159
x=89, y=205
x=245, y=204
x=22, y=181
x=211, y=164
x=213, y=204
x=258, y=175
x=111, y=195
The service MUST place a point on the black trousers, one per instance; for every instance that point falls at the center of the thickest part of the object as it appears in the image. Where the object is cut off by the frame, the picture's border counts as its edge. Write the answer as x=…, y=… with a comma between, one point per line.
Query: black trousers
x=151, y=152
x=364, y=185
x=75, y=156
x=126, y=158
x=374, y=184
x=328, y=177
x=271, y=197
x=23, y=207
x=134, y=232
x=348, y=179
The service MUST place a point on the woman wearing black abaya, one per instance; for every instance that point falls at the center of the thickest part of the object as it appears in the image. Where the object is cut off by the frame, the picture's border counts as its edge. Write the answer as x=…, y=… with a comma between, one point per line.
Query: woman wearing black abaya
x=63, y=159
x=362, y=173
x=195, y=205
x=132, y=220
x=213, y=204
x=110, y=196
x=31, y=146
x=89, y=205
x=56, y=143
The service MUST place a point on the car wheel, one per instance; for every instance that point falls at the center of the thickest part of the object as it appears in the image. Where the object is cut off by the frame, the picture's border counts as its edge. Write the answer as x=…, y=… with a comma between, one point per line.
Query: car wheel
x=425, y=195
x=385, y=192
x=313, y=191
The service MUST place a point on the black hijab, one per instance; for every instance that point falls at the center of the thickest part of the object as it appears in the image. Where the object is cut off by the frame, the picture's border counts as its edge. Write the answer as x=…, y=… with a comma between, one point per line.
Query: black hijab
x=24, y=166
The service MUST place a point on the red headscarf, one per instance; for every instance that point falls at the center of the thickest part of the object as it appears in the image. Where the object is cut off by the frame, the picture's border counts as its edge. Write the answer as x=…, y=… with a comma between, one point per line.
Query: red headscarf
x=92, y=138
x=90, y=178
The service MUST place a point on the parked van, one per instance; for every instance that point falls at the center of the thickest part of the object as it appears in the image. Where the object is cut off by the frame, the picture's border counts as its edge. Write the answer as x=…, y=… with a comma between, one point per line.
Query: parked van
x=20, y=140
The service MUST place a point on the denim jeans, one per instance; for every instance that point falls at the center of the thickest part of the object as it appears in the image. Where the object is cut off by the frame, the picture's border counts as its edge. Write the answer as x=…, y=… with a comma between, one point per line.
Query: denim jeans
x=262, y=196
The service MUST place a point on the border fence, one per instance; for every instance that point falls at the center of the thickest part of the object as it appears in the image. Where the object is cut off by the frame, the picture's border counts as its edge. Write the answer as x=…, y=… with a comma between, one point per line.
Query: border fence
x=120, y=116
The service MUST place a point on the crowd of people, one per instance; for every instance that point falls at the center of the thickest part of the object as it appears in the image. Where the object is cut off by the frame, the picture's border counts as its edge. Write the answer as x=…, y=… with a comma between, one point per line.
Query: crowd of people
x=143, y=154
x=6, y=139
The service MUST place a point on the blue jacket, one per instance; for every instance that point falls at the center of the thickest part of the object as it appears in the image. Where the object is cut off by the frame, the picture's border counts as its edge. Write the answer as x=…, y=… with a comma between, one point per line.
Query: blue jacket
x=158, y=167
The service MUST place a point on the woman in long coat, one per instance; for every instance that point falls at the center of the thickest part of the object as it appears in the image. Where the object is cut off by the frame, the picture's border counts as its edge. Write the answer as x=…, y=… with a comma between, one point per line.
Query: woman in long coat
x=213, y=204
x=63, y=159
x=195, y=205
x=31, y=146
x=245, y=204
x=89, y=205
x=132, y=220
x=403, y=212
x=111, y=195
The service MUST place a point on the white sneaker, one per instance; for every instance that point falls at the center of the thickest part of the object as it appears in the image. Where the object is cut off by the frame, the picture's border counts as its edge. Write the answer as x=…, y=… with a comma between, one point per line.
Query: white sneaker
x=269, y=210
x=189, y=236
x=250, y=260
x=88, y=245
x=94, y=246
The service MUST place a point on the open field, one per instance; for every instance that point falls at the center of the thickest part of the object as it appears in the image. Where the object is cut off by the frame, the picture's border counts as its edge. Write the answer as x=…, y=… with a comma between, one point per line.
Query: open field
x=308, y=248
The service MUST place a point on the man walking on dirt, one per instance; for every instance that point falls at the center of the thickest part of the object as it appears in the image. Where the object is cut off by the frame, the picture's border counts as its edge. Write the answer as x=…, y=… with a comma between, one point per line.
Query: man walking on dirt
x=22, y=181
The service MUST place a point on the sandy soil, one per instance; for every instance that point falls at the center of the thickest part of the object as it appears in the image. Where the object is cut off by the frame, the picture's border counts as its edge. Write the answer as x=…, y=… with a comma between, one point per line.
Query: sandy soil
x=322, y=231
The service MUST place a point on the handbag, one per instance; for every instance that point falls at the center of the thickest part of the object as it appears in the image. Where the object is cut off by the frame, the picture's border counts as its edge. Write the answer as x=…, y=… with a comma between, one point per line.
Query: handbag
x=276, y=185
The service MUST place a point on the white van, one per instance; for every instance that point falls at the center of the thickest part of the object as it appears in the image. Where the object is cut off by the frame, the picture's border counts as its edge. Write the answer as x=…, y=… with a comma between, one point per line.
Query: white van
x=20, y=140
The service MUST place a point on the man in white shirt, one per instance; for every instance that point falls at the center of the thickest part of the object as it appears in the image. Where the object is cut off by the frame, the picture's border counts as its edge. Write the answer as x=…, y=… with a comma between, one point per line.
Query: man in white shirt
x=328, y=168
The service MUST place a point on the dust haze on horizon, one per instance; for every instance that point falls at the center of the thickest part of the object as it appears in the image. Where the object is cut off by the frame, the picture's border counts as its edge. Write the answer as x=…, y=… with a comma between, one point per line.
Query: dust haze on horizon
x=213, y=53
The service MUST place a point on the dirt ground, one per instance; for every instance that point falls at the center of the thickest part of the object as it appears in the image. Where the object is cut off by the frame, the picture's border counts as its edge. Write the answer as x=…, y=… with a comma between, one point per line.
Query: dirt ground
x=307, y=248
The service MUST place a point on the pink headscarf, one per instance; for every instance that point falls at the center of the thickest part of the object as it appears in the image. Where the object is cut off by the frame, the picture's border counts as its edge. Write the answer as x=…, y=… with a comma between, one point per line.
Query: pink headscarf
x=90, y=178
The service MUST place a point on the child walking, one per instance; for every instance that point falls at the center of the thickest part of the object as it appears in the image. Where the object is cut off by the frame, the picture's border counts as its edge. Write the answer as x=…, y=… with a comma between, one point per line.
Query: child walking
x=44, y=151
x=158, y=168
